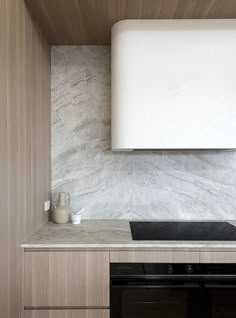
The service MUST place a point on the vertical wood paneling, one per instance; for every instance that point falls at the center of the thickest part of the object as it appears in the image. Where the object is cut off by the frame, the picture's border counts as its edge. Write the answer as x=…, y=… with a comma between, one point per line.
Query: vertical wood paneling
x=82, y=313
x=3, y=167
x=24, y=142
x=66, y=279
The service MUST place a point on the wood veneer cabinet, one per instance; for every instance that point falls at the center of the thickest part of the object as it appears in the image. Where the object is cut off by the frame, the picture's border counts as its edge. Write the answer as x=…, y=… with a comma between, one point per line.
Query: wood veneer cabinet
x=90, y=313
x=66, y=279
x=174, y=256
x=75, y=284
x=158, y=256
x=226, y=256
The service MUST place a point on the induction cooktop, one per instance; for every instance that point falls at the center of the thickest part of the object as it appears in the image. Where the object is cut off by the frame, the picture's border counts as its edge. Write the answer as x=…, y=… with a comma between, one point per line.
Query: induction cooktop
x=183, y=231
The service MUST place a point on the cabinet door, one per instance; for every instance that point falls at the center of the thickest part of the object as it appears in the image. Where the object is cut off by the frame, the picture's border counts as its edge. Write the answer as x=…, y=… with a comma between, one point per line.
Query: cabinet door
x=66, y=313
x=60, y=279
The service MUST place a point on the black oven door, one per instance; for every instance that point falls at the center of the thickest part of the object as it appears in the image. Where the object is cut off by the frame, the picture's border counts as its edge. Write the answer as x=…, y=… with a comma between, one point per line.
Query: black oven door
x=160, y=300
x=221, y=298
x=182, y=299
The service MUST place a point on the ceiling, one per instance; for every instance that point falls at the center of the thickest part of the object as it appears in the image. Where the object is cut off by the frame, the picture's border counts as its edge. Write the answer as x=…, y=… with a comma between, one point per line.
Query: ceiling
x=90, y=21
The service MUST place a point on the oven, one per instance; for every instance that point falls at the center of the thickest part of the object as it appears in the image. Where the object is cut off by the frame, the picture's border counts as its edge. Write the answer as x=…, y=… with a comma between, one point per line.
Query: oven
x=147, y=290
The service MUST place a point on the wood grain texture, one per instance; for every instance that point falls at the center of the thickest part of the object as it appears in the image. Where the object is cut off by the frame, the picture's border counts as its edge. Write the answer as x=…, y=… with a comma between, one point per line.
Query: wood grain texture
x=90, y=313
x=90, y=21
x=24, y=142
x=154, y=256
x=218, y=257
x=66, y=279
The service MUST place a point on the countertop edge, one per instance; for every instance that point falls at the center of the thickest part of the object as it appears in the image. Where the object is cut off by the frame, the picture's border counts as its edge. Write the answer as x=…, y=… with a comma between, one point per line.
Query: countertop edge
x=130, y=246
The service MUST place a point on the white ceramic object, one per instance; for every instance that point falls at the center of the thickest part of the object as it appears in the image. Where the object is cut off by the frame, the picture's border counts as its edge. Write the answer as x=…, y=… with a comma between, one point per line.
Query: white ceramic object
x=76, y=217
x=173, y=84
x=61, y=210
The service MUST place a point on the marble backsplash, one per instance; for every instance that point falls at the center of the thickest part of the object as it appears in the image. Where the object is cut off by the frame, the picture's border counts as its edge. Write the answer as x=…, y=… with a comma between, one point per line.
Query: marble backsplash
x=153, y=185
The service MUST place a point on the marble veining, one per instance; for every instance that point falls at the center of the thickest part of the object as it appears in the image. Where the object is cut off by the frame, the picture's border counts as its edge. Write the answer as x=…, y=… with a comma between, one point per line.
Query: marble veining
x=151, y=185
x=110, y=234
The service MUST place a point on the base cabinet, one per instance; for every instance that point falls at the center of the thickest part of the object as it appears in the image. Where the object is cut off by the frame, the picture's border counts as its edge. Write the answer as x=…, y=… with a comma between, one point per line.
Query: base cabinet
x=89, y=313
x=66, y=279
x=76, y=284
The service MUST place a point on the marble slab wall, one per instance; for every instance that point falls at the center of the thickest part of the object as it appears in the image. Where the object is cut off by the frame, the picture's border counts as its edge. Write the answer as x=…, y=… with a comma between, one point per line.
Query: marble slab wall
x=156, y=185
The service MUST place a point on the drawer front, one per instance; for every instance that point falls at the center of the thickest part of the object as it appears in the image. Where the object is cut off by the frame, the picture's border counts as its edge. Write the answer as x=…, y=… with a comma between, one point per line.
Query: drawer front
x=218, y=257
x=90, y=313
x=78, y=279
x=154, y=257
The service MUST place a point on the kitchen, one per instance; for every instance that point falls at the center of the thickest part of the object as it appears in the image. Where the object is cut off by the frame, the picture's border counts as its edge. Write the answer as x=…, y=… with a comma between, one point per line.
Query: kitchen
x=81, y=83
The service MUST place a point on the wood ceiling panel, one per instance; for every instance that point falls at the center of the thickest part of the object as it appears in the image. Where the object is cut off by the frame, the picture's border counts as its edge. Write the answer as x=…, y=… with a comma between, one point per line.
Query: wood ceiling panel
x=90, y=21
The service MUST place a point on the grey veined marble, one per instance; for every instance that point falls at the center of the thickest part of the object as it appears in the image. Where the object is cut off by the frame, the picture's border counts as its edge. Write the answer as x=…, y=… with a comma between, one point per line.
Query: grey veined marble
x=107, y=234
x=155, y=185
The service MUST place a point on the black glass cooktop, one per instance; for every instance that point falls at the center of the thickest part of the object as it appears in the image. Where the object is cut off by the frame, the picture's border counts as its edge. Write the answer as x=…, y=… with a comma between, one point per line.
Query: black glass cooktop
x=183, y=231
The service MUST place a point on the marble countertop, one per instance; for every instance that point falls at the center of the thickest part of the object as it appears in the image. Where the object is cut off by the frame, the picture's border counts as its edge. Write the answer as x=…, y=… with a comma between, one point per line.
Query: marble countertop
x=105, y=234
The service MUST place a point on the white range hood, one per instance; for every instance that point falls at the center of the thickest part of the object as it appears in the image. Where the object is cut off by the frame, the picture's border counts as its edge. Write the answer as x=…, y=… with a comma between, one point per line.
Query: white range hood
x=174, y=84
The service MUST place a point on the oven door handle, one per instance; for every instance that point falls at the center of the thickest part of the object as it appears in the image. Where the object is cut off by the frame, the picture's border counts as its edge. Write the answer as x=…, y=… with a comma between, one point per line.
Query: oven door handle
x=215, y=285
x=159, y=286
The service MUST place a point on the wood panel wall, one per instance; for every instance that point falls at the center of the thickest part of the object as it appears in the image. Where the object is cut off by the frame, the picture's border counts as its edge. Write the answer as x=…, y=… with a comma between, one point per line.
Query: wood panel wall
x=90, y=21
x=24, y=142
